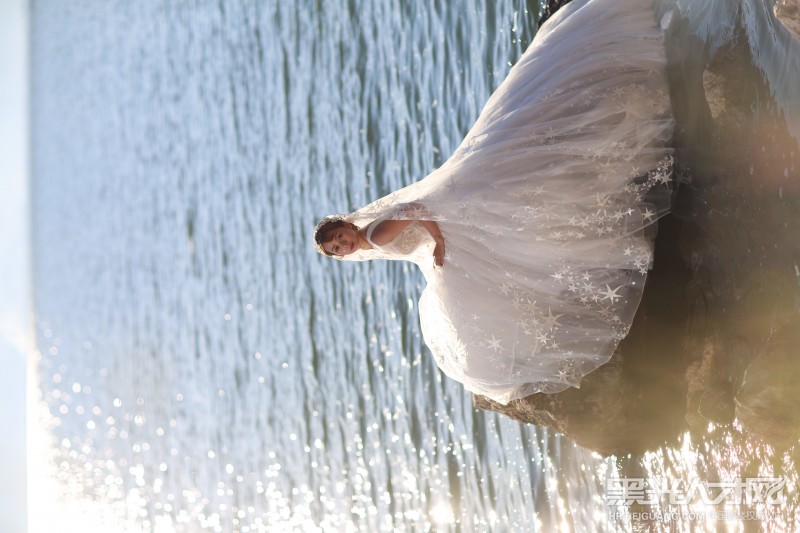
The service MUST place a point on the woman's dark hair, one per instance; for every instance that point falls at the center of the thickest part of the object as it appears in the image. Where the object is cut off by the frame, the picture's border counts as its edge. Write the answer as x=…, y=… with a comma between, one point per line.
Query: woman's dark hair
x=324, y=231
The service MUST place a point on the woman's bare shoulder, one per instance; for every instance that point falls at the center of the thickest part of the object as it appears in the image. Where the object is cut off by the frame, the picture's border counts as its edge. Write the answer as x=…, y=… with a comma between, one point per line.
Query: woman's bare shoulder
x=384, y=231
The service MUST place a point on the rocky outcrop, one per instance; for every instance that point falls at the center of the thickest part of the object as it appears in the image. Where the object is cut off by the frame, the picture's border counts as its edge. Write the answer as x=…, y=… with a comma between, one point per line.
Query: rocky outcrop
x=768, y=401
x=788, y=12
x=717, y=335
x=549, y=7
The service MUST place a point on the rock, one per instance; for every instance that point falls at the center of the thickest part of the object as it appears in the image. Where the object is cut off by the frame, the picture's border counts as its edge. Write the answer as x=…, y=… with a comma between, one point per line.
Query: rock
x=709, y=394
x=788, y=12
x=768, y=401
x=609, y=414
x=549, y=8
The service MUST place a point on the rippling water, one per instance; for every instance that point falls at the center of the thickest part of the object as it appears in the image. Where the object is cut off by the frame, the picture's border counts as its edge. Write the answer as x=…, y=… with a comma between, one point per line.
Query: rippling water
x=201, y=366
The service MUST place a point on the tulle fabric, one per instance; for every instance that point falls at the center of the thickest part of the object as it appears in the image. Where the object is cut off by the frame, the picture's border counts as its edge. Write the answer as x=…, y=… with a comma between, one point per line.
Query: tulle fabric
x=548, y=207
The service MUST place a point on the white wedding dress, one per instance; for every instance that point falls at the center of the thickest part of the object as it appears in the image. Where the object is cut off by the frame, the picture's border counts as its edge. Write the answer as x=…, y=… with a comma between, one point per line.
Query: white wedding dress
x=547, y=207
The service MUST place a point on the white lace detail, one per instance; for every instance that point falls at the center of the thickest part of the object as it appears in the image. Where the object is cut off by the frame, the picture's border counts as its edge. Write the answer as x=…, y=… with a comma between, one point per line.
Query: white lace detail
x=406, y=242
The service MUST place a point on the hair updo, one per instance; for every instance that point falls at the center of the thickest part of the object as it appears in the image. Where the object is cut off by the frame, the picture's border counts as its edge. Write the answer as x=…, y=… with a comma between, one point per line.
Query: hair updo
x=324, y=231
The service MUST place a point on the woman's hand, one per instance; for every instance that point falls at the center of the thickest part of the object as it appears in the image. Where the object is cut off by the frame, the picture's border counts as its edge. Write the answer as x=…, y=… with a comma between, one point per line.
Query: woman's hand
x=438, y=252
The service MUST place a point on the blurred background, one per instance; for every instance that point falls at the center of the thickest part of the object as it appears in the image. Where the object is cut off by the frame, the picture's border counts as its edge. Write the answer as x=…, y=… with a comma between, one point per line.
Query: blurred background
x=15, y=328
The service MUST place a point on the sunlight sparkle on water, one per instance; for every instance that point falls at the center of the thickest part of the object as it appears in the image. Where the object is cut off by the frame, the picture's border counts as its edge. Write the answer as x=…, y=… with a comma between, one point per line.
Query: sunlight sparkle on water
x=442, y=513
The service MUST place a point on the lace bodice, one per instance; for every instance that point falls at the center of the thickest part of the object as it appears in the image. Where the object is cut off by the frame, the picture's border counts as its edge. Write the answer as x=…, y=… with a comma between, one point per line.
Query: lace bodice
x=410, y=244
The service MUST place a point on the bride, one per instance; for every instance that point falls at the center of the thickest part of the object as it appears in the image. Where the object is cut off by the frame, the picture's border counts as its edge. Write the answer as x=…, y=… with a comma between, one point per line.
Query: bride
x=535, y=236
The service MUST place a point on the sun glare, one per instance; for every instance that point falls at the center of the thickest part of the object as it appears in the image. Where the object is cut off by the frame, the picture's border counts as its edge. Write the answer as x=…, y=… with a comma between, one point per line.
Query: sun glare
x=50, y=507
x=442, y=514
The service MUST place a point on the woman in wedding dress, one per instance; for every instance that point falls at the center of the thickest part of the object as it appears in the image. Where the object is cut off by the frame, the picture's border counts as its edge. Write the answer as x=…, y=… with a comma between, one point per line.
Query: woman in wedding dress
x=536, y=236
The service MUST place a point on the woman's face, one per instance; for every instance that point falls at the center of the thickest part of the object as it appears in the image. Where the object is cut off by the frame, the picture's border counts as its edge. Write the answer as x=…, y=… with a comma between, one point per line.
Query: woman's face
x=343, y=240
